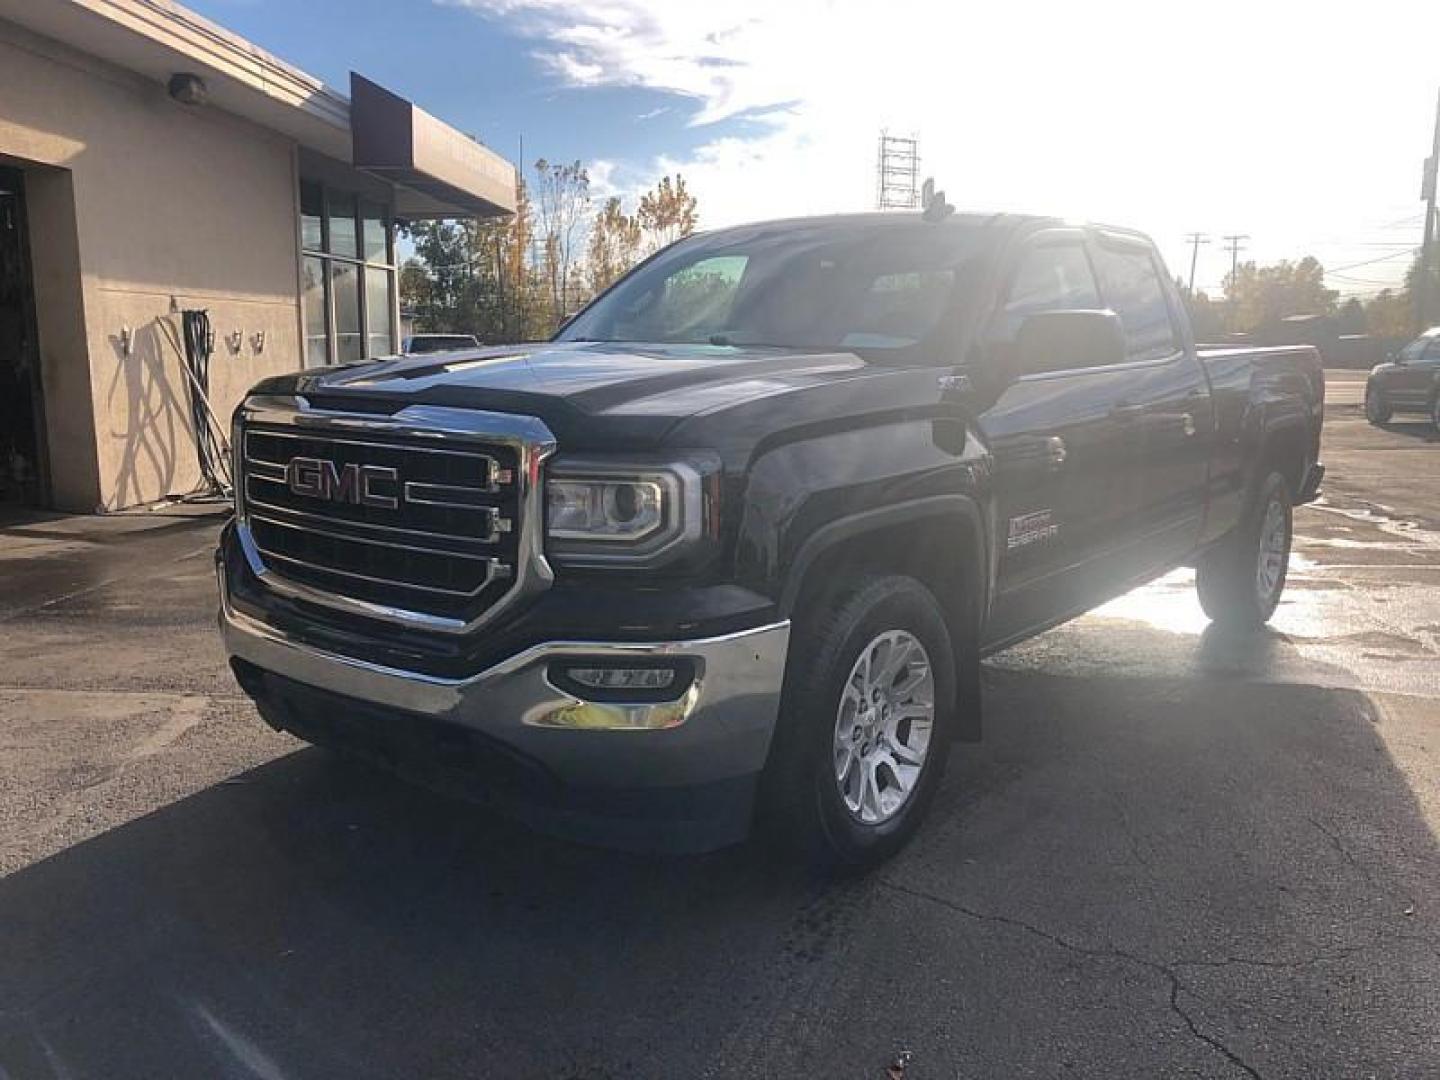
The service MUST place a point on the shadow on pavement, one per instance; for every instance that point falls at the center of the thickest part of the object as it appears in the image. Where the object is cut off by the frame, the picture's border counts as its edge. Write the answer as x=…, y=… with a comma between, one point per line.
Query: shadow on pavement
x=1415, y=427
x=1130, y=877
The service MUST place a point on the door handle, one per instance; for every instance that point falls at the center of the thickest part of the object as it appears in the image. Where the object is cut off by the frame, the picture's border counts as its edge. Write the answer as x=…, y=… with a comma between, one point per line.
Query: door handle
x=1185, y=421
x=1127, y=412
x=1055, y=452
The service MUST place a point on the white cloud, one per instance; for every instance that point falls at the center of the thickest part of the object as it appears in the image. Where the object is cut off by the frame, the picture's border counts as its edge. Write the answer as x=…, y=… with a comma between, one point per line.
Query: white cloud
x=603, y=183
x=1275, y=118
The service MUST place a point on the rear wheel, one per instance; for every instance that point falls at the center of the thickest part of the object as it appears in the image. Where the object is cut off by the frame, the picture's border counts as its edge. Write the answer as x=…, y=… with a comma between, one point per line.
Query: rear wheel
x=1377, y=409
x=1241, y=580
x=866, y=723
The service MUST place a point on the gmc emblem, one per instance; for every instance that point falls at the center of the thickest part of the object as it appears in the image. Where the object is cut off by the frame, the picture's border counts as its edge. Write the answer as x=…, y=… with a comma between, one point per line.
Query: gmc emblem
x=316, y=478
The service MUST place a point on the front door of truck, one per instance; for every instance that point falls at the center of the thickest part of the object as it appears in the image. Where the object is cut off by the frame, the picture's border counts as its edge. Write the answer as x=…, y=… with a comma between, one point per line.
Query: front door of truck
x=1067, y=470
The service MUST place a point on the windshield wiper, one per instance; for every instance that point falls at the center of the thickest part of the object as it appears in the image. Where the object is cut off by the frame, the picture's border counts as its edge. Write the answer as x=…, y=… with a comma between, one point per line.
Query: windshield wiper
x=720, y=339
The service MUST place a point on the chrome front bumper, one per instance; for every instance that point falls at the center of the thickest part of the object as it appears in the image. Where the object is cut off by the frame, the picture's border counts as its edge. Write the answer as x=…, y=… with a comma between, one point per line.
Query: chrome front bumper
x=718, y=729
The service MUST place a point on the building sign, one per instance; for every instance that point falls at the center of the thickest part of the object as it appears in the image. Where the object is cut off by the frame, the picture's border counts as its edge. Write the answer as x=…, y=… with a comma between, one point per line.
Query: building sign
x=449, y=174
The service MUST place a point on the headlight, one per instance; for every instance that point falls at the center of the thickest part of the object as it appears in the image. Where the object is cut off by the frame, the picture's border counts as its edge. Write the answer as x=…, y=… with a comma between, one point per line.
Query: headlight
x=607, y=513
x=605, y=510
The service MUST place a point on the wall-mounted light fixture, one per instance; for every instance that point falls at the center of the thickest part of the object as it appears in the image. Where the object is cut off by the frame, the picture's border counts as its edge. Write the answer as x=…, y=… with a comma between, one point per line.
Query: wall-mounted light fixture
x=127, y=341
x=257, y=341
x=188, y=89
x=235, y=341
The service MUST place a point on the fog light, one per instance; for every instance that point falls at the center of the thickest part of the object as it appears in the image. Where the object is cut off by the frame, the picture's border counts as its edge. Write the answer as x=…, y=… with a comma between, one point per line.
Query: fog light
x=660, y=680
x=618, y=678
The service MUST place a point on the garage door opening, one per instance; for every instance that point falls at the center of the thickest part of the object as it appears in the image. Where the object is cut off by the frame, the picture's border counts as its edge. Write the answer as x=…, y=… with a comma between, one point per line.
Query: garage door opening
x=22, y=466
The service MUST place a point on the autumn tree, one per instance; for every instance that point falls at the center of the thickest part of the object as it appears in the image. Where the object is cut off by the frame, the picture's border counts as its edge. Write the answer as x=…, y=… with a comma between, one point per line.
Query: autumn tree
x=437, y=287
x=1206, y=319
x=562, y=200
x=615, y=240
x=511, y=305
x=1263, y=295
x=416, y=292
x=667, y=212
x=1395, y=313
x=478, y=277
x=514, y=278
x=1390, y=314
x=1350, y=316
x=1420, y=281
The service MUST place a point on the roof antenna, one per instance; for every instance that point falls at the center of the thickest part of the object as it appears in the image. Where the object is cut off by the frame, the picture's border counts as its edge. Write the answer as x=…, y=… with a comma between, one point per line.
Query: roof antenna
x=933, y=202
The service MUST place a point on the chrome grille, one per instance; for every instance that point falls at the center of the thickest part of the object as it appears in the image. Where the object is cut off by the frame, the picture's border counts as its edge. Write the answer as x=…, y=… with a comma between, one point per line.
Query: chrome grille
x=439, y=539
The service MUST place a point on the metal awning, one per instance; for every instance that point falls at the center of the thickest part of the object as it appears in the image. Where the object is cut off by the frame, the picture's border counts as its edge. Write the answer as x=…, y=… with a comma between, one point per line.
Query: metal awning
x=437, y=171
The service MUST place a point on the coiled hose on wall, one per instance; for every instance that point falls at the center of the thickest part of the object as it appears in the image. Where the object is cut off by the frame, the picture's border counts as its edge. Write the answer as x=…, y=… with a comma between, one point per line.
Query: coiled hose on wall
x=210, y=443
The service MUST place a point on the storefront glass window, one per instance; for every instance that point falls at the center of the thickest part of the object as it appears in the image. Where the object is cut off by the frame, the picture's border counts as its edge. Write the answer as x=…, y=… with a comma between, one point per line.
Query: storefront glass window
x=312, y=299
x=342, y=224
x=345, y=285
x=375, y=233
x=347, y=276
x=312, y=216
x=377, y=311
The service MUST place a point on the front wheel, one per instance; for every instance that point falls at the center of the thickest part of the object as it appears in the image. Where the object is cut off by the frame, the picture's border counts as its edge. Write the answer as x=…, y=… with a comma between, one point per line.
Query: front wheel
x=1241, y=580
x=1377, y=409
x=865, y=724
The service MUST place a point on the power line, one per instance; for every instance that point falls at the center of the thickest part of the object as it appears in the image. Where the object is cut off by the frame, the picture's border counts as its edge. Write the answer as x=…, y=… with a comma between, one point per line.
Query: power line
x=1361, y=281
x=1370, y=262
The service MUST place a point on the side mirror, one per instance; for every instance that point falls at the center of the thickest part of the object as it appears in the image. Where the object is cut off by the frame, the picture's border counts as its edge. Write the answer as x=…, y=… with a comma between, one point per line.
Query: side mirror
x=1063, y=340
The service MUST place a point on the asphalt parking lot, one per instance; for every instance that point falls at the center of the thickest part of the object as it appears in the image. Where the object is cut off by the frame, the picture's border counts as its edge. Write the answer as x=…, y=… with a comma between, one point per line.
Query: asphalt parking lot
x=1176, y=853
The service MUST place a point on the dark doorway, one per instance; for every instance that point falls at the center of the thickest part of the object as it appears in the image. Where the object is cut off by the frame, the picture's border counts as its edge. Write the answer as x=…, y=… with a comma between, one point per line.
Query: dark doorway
x=22, y=465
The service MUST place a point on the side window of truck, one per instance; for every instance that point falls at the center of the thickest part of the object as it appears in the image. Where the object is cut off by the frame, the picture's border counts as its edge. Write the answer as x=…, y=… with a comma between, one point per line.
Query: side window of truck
x=1131, y=283
x=1050, y=277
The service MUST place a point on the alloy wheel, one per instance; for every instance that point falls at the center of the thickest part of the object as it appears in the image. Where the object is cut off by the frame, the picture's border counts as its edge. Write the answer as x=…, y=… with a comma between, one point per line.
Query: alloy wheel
x=1274, y=551
x=883, y=726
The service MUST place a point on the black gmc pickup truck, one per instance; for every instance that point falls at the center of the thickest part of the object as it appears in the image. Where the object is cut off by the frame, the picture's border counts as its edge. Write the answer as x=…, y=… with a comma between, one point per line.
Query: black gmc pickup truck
x=735, y=542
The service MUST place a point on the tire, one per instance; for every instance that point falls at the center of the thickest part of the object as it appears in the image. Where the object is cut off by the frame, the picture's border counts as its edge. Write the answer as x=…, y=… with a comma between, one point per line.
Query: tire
x=1377, y=409
x=848, y=823
x=1241, y=580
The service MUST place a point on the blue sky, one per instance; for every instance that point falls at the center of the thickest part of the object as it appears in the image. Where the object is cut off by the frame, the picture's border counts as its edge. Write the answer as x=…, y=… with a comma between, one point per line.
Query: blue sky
x=1300, y=124
x=472, y=69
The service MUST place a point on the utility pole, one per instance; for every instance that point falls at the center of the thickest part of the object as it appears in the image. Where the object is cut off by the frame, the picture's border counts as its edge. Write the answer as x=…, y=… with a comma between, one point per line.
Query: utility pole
x=1235, y=241
x=1427, y=256
x=1195, y=239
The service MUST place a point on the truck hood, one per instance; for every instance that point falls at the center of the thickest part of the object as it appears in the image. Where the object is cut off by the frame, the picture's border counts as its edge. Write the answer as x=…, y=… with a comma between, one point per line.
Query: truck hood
x=592, y=395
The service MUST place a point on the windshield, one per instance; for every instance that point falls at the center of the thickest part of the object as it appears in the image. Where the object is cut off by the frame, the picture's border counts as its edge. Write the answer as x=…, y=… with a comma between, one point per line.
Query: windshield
x=873, y=285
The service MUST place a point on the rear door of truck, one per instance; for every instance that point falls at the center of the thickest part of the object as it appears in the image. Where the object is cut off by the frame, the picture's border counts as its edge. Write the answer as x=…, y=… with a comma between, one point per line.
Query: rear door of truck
x=1165, y=403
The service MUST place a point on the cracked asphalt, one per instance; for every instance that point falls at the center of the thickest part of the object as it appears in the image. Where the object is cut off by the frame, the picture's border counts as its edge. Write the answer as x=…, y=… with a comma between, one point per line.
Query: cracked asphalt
x=1175, y=854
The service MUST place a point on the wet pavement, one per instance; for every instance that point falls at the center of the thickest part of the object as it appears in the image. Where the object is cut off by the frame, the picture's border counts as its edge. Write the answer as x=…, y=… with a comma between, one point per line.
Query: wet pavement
x=1176, y=853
